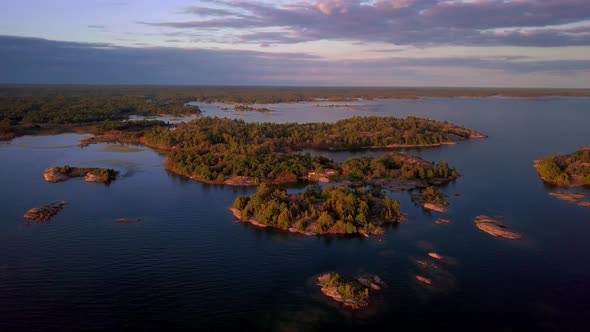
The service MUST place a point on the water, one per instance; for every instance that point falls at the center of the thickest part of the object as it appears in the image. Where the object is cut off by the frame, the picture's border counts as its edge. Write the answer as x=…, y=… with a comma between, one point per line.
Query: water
x=188, y=265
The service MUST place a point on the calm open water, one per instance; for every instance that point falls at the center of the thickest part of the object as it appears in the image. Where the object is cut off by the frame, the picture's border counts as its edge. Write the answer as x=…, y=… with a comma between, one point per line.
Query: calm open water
x=188, y=265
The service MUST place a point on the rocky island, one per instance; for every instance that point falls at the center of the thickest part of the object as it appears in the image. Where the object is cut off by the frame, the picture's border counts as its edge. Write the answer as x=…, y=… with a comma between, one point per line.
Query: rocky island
x=431, y=199
x=329, y=211
x=495, y=227
x=353, y=294
x=44, y=213
x=568, y=170
x=95, y=175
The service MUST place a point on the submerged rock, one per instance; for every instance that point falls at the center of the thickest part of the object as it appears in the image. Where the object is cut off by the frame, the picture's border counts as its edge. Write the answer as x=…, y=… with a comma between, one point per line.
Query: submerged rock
x=568, y=196
x=435, y=255
x=494, y=227
x=44, y=213
x=424, y=280
x=374, y=282
x=442, y=221
x=127, y=221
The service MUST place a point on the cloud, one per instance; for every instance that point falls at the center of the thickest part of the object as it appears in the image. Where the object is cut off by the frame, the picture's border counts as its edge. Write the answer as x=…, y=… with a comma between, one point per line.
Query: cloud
x=208, y=11
x=36, y=60
x=402, y=22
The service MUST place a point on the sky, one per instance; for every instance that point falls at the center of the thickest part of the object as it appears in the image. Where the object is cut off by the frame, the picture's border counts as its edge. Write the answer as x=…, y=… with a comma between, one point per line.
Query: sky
x=471, y=43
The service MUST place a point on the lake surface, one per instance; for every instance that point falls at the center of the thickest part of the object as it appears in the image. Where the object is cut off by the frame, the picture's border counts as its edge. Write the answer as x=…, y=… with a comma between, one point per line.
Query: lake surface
x=188, y=265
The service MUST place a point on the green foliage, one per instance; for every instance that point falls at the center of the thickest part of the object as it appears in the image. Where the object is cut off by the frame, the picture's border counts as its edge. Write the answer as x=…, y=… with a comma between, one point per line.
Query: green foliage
x=5, y=126
x=334, y=210
x=431, y=195
x=351, y=292
x=207, y=147
x=394, y=165
x=215, y=150
x=566, y=170
x=130, y=125
x=73, y=105
x=265, y=150
x=106, y=173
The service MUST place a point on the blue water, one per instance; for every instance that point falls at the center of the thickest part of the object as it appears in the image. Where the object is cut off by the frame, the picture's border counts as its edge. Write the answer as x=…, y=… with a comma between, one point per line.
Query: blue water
x=188, y=265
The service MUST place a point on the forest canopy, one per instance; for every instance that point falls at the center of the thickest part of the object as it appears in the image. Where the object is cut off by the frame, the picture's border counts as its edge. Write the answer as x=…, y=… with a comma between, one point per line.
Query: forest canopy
x=331, y=210
x=216, y=150
x=566, y=170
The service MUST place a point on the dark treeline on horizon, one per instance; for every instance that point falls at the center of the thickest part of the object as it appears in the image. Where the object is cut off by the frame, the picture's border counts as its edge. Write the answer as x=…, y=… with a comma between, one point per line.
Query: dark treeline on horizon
x=278, y=94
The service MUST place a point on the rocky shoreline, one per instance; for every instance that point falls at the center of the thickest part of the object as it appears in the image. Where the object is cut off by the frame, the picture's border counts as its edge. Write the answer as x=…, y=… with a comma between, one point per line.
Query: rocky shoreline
x=238, y=215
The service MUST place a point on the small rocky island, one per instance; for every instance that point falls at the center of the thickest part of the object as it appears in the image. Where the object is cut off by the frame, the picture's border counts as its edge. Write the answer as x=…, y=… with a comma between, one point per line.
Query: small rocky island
x=353, y=294
x=316, y=211
x=495, y=227
x=44, y=213
x=246, y=108
x=568, y=170
x=95, y=175
x=431, y=199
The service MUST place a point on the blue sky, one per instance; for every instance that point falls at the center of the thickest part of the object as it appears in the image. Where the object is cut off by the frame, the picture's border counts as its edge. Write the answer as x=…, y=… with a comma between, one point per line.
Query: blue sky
x=520, y=43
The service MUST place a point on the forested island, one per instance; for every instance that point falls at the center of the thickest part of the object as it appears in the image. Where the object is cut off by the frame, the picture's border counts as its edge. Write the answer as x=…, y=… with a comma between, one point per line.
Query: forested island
x=316, y=211
x=354, y=293
x=224, y=151
x=394, y=171
x=567, y=170
x=95, y=175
